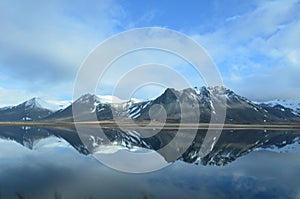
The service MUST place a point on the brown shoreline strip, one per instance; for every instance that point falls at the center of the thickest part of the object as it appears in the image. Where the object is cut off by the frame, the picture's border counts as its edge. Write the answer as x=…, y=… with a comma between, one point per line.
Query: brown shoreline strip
x=144, y=125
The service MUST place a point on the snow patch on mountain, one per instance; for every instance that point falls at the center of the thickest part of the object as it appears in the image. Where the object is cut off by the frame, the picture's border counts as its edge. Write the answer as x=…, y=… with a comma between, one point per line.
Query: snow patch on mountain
x=113, y=99
x=51, y=105
x=135, y=109
x=291, y=104
x=59, y=104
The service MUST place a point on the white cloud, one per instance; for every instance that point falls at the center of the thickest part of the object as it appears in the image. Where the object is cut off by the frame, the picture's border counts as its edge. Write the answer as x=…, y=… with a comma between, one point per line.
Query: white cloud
x=42, y=44
x=11, y=97
x=258, y=52
x=232, y=18
x=34, y=36
x=141, y=39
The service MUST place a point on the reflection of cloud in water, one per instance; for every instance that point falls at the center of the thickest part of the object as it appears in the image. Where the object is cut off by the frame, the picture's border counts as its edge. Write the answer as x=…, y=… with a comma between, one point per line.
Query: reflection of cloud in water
x=139, y=161
x=257, y=175
x=41, y=173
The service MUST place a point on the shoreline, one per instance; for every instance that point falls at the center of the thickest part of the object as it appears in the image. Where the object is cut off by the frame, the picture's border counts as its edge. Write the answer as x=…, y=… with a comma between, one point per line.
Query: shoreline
x=154, y=125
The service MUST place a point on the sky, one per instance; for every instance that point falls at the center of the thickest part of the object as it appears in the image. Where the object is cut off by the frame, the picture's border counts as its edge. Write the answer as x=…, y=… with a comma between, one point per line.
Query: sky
x=254, y=44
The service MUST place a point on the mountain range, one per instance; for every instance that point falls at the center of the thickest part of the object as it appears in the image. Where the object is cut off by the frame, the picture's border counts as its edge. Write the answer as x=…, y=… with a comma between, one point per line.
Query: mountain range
x=231, y=145
x=238, y=109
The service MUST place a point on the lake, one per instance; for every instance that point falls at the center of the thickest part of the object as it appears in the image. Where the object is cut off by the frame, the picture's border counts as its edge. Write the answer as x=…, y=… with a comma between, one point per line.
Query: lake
x=38, y=162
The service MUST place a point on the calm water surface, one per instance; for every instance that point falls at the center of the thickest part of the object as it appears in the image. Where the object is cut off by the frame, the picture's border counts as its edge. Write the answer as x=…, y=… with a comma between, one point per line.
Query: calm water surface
x=40, y=163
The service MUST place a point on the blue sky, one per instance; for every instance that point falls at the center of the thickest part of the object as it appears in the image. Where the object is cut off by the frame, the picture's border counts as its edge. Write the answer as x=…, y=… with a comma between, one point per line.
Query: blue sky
x=255, y=44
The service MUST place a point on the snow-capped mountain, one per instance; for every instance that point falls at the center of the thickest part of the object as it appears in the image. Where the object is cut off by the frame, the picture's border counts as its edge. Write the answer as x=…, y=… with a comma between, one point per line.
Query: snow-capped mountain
x=105, y=108
x=87, y=103
x=290, y=104
x=238, y=108
x=33, y=109
x=29, y=110
x=51, y=105
x=228, y=148
x=170, y=103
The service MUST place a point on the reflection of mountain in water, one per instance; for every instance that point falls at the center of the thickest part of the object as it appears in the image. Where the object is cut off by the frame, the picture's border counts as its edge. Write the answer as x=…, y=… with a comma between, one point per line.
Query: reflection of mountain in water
x=29, y=136
x=230, y=146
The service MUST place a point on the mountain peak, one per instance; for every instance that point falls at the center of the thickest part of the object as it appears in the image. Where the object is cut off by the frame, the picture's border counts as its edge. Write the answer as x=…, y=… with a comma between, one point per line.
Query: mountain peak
x=87, y=98
x=39, y=103
x=219, y=90
x=33, y=103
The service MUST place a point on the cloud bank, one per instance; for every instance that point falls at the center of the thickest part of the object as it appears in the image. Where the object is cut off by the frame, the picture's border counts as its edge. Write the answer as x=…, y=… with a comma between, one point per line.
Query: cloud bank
x=255, y=45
